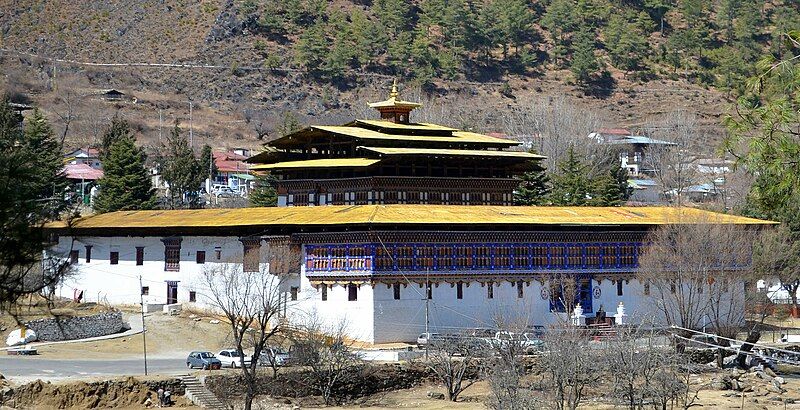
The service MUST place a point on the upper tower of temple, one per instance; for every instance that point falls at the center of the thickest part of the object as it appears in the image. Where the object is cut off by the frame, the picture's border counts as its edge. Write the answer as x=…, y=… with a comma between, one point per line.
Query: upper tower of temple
x=392, y=160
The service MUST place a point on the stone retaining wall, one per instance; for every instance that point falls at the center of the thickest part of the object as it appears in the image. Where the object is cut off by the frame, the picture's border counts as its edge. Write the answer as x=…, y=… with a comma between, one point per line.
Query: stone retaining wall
x=79, y=327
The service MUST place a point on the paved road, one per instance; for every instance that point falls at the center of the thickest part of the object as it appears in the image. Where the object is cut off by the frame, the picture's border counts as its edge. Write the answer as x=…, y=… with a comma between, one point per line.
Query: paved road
x=31, y=368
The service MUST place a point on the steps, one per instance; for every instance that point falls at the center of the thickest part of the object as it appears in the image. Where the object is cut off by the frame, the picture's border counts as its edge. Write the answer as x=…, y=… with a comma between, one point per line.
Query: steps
x=199, y=395
x=603, y=331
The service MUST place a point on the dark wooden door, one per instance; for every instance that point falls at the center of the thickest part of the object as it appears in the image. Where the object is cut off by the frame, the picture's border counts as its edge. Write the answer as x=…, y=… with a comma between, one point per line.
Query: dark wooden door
x=172, y=292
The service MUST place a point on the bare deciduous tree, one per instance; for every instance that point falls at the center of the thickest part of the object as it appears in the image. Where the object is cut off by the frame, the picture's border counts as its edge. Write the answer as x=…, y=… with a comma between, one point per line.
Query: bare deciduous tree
x=327, y=352
x=689, y=268
x=251, y=302
x=452, y=360
x=570, y=365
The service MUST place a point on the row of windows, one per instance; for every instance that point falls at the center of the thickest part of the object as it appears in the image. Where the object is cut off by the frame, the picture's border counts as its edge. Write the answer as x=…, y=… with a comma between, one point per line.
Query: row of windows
x=504, y=256
x=352, y=291
x=171, y=256
x=403, y=197
x=192, y=294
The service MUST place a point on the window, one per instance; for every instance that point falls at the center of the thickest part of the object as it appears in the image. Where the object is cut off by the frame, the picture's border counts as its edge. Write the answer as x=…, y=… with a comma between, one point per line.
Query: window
x=352, y=293
x=73, y=256
x=647, y=288
x=490, y=290
x=192, y=296
x=172, y=254
x=520, y=289
x=324, y=292
x=672, y=287
x=145, y=290
x=113, y=257
x=429, y=290
x=293, y=292
x=619, y=287
x=459, y=290
x=252, y=248
x=200, y=257
x=396, y=291
x=88, y=253
x=139, y=255
x=218, y=253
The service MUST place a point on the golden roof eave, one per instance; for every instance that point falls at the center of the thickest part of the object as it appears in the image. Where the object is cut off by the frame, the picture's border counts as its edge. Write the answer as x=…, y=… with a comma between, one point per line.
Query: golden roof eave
x=453, y=152
x=434, y=215
x=319, y=163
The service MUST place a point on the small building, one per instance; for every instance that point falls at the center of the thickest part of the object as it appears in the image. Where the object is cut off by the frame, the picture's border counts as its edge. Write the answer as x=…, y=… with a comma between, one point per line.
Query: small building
x=88, y=156
x=232, y=171
x=83, y=178
x=113, y=95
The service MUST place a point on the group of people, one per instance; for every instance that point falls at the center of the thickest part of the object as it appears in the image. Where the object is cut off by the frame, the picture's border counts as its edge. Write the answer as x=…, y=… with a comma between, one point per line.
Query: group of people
x=164, y=399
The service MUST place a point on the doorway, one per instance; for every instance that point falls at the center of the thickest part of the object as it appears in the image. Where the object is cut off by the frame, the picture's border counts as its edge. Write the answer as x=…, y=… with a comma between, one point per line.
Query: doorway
x=172, y=292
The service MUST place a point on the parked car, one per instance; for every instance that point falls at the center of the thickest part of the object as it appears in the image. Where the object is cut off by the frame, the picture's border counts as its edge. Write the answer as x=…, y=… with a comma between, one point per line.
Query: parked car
x=482, y=332
x=224, y=192
x=532, y=343
x=203, y=360
x=426, y=338
x=274, y=355
x=231, y=358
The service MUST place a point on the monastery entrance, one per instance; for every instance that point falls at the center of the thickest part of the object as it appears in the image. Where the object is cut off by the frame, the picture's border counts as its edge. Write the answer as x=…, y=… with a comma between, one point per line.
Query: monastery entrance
x=579, y=290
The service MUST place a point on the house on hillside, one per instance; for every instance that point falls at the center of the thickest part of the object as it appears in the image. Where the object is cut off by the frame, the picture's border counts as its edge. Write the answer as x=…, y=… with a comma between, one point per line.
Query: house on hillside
x=233, y=171
x=83, y=179
x=88, y=156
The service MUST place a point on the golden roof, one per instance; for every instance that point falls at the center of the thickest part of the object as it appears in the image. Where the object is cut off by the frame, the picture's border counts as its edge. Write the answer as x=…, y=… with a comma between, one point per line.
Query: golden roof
x=395, y=101
x=319, y=163
x=452, y=152
x=457, y=137
x=438, y=215
x=420, y=126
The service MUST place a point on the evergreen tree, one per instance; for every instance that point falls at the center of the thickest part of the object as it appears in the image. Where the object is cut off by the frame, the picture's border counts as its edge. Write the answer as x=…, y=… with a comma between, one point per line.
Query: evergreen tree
x=626, y=42
x=182, y=171
x=312, y=49
x=207, y=165
x=119, y=129
x=126, y=183
x=584, y=62
x=571, y=185
x=534, y=186
x=611, y=187
x=658, y=9
x=394, y=16
x=33, y=191
x=264, y=193
x=367, y=38
x=560, y=21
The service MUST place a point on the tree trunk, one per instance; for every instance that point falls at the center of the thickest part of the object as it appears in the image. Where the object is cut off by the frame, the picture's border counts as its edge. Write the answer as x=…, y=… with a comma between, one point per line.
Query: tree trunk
x=747, y=347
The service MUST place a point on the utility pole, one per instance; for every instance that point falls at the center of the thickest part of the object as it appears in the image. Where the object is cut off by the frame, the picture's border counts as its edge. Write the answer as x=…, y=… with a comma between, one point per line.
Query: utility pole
x=427, y=316
x=160, y=124
x=191, y=133
x=144, y=329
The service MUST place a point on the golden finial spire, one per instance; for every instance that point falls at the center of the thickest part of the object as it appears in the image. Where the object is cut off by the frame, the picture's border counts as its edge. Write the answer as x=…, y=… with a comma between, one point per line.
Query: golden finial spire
x=394, y=94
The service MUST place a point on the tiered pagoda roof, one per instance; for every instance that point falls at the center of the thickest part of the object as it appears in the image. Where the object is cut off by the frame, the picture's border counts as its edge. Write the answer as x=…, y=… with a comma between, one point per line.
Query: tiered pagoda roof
x=366, y=143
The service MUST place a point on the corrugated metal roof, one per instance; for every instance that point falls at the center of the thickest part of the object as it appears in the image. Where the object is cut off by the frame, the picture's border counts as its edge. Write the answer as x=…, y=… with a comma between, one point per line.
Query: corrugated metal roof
x=406, y=215
x=319, y=163
x=638, y=139
x=452, y=152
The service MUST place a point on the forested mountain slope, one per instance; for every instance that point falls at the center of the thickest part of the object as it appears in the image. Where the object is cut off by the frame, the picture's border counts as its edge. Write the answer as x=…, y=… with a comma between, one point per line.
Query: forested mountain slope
x=626, y=61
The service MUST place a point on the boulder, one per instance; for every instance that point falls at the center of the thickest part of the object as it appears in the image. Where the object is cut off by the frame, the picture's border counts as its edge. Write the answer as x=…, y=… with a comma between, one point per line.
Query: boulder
x=15, y=337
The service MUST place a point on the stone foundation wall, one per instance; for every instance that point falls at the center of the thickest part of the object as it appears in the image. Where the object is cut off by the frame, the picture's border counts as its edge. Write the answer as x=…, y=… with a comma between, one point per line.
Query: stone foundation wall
x=56, y=329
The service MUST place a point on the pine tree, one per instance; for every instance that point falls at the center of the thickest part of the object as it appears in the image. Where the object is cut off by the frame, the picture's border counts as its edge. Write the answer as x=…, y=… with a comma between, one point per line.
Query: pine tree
x=571, y=185
x=534, y=186
x=611, y=187
x=207, y=165
x=626, y=42
x=560, y=21
x=264, y=193
x=584, y=62
x=33, y=192
x=126, y=183
x=119, y=129
x=182, y=171
x=312, y=49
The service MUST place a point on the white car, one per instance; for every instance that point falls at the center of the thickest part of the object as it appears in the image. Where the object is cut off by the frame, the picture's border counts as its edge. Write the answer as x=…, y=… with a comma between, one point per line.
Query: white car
x=426, y=338
x=224, y=192
x=231, y=358
x=274, y=355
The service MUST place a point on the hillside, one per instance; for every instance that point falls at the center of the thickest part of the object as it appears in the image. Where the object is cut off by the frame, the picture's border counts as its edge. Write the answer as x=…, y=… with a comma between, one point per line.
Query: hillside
x=249, y=66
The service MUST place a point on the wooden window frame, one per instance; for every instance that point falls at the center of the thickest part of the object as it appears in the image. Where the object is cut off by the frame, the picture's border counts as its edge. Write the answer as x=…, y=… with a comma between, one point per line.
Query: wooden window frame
x=113, y=257
x=200, y=257
x=74, y=255
x=324, y=295
x=192, y=296
x=352, y=293
x=139, y=255
x=396, y=291
x=251, y=254
x=490, y=290
x=619, y=287
x=459, y=290
x=172, y=254
x=88, y=253
x=293, y=292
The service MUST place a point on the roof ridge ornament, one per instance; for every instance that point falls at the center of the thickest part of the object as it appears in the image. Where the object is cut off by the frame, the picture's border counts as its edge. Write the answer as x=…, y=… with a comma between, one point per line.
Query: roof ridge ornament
x=394, y=109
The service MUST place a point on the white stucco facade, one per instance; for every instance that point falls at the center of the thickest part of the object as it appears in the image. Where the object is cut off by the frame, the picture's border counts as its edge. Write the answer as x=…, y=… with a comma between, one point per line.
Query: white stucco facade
x=370, y=313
